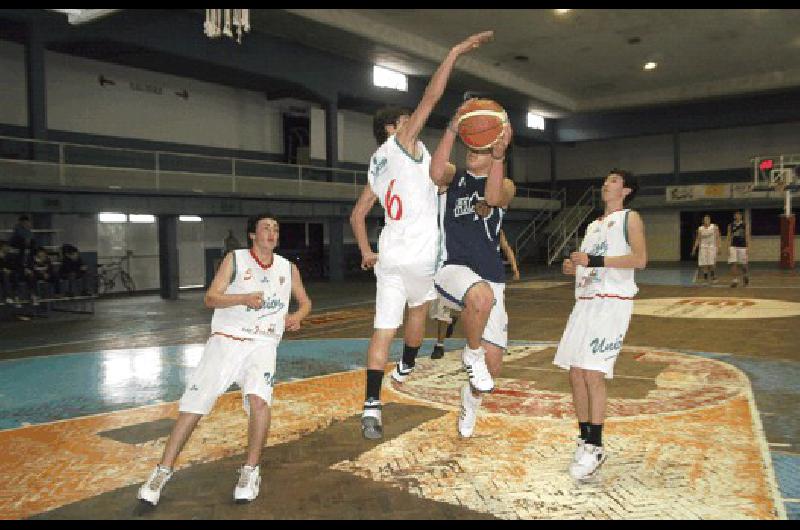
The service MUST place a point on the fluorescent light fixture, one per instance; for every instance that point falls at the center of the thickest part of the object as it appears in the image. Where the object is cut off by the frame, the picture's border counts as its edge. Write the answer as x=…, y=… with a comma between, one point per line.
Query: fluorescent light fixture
x=141, y=218
x=81, y=16
x=190, y=218
x=563, y=11
x=386, y=78
x=535, y=121
x=651, y=65
x=112, y=217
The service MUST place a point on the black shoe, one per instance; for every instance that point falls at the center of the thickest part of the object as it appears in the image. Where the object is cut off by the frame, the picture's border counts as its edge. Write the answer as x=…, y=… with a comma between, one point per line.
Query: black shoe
x=438, y=352
x=746, y=281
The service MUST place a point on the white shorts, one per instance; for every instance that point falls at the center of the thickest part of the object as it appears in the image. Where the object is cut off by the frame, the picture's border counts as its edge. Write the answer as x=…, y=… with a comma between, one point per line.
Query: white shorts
x=396, y=287
x=707, y=256
x=438, y=310
x=248, y=363
x=593, y=337
x=453, y=282
x=737, y=255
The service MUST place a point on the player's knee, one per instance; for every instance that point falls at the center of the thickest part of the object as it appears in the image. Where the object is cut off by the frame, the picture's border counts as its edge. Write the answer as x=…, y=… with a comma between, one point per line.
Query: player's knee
x=480, y=298
x=257, y=403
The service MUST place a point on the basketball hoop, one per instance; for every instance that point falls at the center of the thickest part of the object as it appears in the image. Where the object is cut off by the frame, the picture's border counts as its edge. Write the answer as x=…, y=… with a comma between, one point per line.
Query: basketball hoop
x=225, y=21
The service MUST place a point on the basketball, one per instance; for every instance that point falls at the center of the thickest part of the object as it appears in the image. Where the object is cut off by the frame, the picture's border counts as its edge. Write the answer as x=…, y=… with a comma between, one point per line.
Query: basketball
x=481, y=123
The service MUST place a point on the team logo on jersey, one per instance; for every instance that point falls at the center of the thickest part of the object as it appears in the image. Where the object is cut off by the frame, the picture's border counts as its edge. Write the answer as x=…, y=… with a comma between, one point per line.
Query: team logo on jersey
x=600, y=346
x=466, y=205
x=270, y=305
x=264, y=280
x=271, y=328
x=378, y=165
x=462, y=182
x=269, y=379
x=248, y=274
x=281, y=280
x=599, y=249
x=610, y=223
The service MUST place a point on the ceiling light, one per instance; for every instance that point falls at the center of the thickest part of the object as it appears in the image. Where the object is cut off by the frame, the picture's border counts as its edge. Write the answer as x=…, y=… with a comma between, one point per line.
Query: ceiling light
x=650, y=65
x=563, y=11
x=190, y=218
x=535, y=121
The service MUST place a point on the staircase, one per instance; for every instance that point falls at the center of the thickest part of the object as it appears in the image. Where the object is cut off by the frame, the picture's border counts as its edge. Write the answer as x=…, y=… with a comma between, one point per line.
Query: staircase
x=566, y=224
x=536, y=229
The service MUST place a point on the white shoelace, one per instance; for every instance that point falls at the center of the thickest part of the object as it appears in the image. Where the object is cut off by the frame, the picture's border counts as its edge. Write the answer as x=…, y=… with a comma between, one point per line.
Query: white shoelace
x=162, y=474
x=244, y=476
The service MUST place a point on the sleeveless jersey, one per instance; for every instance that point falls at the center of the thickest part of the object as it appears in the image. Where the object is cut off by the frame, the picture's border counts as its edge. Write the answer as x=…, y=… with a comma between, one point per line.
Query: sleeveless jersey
x=707, y=236
x=268, y=321
x=471, y=240
x=408, y=196
x=738, y=235
x=442, y=246
x=606, y=237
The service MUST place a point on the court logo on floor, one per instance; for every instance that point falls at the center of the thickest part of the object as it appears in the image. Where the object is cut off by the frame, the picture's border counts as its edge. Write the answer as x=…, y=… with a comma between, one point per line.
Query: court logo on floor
x=715, y=307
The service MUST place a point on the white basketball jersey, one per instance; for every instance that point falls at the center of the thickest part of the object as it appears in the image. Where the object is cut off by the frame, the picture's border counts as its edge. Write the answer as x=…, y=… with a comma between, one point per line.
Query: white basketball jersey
x=249, y=276
x=606, y=236
x=408, y=196
x=708, y=236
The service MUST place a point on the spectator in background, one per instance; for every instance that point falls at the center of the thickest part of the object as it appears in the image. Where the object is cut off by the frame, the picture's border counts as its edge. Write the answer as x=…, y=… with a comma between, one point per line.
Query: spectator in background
x=7, y=273
x=72, y=271
x=231, y=243
x=22, y=242
x=42, y=268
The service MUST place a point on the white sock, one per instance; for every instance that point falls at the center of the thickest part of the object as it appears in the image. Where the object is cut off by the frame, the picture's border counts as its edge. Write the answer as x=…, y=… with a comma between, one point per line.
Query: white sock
x=471, y=355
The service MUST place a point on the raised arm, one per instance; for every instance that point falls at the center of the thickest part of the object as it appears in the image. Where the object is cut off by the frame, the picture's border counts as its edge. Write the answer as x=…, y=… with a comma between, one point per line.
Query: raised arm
x=358, y=221
x=407, y=135
x=216, y=298
x=498, y=192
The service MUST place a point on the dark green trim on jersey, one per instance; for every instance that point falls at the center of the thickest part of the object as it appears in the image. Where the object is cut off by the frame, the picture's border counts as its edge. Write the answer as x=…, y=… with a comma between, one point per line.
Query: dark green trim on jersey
x=625, y=227
x=233, y=274
x=403, y=149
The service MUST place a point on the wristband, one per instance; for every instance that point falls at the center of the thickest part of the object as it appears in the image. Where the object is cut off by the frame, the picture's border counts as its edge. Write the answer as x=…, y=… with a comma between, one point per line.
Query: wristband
x=596, y=261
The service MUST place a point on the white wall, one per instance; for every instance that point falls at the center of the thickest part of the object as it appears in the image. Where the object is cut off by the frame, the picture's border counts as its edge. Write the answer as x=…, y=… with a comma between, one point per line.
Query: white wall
x=734, y=147
x=14, y=107
x=663, y=234
x=642, y=155
x=767, y=248
x=212, y=115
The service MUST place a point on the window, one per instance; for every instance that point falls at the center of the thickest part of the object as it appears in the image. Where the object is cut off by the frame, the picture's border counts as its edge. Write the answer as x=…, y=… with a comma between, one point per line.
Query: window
x=141, y=218
x=383, y=77
x=535, y=121
x=112, y=217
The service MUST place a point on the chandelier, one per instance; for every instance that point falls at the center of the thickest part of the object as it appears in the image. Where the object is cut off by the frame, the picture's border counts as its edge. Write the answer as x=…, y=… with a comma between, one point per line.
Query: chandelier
x=226, y=22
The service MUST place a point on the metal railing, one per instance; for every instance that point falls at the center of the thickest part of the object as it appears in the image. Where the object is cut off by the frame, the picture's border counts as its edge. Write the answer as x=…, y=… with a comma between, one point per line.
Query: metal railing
x=534, y=228
x=68, y=164
x=571, y=221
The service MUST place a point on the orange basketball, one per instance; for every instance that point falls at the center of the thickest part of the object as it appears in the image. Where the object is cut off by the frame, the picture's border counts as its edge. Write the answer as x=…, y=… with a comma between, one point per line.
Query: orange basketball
x=481, y=123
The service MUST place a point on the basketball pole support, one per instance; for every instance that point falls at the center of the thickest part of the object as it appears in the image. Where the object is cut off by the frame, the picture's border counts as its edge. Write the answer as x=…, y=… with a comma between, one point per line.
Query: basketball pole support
x=787, y=232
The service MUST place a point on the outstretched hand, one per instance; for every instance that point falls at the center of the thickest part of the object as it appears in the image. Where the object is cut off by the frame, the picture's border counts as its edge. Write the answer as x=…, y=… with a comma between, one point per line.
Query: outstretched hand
x=473, y=41
x=503, y=141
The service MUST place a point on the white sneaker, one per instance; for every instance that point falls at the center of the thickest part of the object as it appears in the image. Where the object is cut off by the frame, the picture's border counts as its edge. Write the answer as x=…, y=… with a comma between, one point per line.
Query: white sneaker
x=589, y=463
x=249, y=482
x=475, y=365
x=579, y=447
x=469, y=411
x=401, y=372
x=371, y=426
x=151, y=490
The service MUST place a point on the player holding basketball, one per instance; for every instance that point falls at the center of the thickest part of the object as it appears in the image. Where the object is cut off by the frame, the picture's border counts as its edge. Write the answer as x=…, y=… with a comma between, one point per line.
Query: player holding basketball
x=473, y=278
x=250, y=296
x=707, y=240
x=406, y=259
x=738, y=239
x=613, y=247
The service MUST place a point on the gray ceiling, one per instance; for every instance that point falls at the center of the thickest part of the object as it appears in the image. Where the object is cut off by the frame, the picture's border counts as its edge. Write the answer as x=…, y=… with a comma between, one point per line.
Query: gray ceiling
x=588, y=59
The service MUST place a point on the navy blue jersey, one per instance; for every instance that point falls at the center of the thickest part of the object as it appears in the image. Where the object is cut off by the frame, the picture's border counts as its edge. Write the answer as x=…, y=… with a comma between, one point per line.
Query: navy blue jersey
x=738, y=235
x=471, y=240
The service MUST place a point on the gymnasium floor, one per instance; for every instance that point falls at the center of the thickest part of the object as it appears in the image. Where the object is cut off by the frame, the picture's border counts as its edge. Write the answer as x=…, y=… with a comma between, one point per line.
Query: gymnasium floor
x=702, y=423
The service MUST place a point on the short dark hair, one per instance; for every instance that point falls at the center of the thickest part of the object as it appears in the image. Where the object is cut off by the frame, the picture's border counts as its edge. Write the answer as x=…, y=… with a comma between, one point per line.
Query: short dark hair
x=252, y=222
x=629, y=180
x=386, y=116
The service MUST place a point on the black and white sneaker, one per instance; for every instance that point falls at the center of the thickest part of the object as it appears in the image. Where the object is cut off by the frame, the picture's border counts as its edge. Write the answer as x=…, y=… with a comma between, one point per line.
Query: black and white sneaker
x=371, y=427
x=401, y=372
